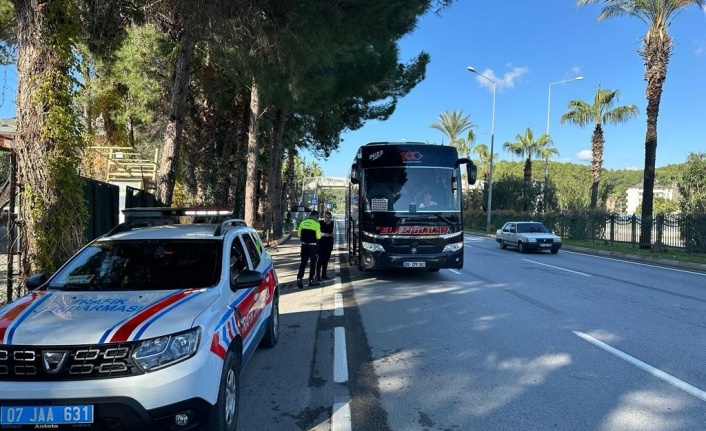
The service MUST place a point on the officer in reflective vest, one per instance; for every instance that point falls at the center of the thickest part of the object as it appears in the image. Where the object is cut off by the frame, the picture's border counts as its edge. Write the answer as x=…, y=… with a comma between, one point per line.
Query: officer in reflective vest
x=309, y=233
x=325, y=246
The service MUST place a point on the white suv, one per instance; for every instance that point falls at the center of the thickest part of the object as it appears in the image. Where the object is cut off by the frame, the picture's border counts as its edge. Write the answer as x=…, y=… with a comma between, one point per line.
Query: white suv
x=145, y=328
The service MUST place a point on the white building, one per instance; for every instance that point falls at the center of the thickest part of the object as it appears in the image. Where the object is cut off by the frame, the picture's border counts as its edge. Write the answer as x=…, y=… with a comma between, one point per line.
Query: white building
x=635, y=196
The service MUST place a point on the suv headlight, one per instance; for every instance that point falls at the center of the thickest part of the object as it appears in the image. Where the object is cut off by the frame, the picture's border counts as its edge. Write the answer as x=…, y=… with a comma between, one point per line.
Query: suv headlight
x=451, y=248
x=372, y=247
x=151, y=355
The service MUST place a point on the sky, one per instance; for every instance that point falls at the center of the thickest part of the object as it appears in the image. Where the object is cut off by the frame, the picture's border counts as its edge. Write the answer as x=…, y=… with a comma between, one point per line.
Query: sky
x=526, y=45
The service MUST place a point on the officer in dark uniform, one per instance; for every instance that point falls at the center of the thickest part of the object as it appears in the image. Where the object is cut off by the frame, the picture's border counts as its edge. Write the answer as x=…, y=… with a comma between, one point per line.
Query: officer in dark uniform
x=325, y=246
x=309, y=233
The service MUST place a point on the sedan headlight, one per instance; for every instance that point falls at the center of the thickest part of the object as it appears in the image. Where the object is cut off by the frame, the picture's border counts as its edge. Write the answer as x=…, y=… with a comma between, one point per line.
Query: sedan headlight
x=151, y=355
x=451, y=248
x=531, y=239
x=372, y=247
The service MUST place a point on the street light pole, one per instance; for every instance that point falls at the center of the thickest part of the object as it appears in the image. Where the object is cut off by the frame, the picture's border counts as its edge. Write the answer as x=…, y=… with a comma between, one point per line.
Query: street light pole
x=546, y=162
x=492, y=143
x=549, y=97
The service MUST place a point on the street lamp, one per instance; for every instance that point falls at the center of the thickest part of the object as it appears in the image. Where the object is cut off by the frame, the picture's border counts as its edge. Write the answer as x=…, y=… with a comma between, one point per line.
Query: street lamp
x=546, y=162
x=549, y=98
x=492, y=142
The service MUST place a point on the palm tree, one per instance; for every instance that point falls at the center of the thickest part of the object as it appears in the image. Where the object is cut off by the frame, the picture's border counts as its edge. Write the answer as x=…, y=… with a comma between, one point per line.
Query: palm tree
x=525, y=146
x=546, y=153
x=656, y=51
x=601, y=112
x=465, y=145
x=484, y=163
x=452, y=124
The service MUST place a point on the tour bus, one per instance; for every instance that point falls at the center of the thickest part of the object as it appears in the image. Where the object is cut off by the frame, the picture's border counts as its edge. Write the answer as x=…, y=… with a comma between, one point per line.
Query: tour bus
x=403, y=206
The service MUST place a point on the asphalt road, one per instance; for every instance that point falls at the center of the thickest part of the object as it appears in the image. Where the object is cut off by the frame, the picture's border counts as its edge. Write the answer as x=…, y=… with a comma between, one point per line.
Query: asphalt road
x=511, y=342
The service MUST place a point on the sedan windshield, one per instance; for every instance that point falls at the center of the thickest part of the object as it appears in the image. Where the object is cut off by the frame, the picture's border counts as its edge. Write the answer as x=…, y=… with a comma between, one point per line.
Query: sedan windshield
x=142, y=265
x=531, y=228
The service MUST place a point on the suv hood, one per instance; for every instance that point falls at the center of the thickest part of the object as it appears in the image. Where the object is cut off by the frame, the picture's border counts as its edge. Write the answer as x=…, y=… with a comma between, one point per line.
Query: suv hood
x=75, y=318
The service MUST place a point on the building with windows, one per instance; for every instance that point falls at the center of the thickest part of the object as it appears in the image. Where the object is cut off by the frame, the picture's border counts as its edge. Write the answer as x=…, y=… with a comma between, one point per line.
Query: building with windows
x=634, y=195
x=8, y=130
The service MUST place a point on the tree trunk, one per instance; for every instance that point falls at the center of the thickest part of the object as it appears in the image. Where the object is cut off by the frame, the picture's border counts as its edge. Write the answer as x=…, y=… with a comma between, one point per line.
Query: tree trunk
x=264, y=215
x=52, y=209
x=166, y=178
x=596, y=163
x=275, y=176
x=656, y=52
x=239, y=175
x=289, y=180
x=527, y=181
x=251, y=175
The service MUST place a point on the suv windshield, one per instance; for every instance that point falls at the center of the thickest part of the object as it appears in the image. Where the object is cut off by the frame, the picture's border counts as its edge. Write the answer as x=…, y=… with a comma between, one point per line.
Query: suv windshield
x=142, y=265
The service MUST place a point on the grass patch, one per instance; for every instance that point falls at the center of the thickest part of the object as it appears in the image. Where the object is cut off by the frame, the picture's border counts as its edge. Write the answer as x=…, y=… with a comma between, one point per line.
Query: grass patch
x=669, y=252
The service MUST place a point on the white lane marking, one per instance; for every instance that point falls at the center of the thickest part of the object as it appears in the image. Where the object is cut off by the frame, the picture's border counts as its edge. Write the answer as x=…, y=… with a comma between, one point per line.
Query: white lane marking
x=340, y=361
x=455, y=271
x=338, y=305
x=698, y=393
x=557, y=267
x=341, y=418
x=636, y=263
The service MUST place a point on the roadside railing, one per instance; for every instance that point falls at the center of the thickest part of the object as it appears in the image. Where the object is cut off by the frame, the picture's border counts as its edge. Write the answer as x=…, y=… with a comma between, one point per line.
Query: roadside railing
x=682, y=231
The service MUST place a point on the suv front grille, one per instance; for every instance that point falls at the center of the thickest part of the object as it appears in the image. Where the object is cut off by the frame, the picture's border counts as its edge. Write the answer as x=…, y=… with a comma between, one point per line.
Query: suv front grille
x=50, y=363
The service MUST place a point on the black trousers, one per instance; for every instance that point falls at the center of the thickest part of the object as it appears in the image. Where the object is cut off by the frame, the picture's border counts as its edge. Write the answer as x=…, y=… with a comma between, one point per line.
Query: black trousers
x=309, y=253
x=325, y=249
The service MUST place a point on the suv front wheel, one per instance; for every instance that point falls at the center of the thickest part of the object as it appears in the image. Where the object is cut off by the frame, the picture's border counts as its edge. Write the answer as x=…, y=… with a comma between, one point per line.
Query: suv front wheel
x=225, y=412
x=272, y=331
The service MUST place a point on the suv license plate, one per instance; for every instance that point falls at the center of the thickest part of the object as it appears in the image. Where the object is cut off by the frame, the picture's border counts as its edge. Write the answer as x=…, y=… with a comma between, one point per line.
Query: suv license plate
x=35, y=415
x=414, y=264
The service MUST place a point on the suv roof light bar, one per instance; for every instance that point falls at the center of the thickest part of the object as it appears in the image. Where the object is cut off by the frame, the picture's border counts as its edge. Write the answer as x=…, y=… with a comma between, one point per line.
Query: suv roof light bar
x=160, y=216
x=162, y=212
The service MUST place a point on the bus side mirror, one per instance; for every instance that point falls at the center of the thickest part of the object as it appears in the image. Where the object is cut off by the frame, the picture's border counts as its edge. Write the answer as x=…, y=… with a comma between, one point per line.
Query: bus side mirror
x=354, y=173
x=471, y=172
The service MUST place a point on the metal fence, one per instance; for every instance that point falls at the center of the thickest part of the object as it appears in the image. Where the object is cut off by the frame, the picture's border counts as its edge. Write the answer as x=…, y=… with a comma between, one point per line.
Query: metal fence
x=682, y=231
x=102, y=201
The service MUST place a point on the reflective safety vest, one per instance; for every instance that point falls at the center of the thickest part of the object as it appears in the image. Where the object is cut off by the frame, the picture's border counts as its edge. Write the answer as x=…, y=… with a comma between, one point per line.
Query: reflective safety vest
x=309, y=230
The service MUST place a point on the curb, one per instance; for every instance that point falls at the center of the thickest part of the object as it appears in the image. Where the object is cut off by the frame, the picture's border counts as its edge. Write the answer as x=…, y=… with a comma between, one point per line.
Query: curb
x=645, y=259
x=626, y=256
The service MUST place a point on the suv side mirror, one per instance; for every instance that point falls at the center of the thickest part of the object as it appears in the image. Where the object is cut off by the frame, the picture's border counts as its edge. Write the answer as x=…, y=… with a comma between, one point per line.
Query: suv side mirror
x=36, y=280
x=246, y=279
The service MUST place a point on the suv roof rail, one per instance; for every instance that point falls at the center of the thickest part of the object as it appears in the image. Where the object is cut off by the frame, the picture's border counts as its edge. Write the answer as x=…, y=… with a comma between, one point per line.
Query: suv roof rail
x=222, y=226
x=138, y=223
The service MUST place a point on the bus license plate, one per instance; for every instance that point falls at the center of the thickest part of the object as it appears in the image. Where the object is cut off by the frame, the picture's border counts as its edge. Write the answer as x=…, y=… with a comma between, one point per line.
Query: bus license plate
x=34, y=415
x=414, y=264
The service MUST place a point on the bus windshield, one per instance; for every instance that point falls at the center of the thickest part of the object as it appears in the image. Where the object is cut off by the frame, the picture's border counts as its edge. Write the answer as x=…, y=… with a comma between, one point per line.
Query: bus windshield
x=410, y=189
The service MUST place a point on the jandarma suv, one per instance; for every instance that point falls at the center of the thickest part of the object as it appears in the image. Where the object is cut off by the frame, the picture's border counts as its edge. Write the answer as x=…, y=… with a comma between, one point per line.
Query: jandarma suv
x=145, y=328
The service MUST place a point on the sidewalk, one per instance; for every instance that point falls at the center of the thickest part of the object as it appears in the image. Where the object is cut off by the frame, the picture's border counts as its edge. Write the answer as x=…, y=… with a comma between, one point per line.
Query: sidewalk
x=286, y=258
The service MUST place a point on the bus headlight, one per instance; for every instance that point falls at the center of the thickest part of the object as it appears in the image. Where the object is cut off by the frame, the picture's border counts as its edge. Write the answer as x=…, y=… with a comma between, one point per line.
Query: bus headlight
x=372, y=247
x=452, y=248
